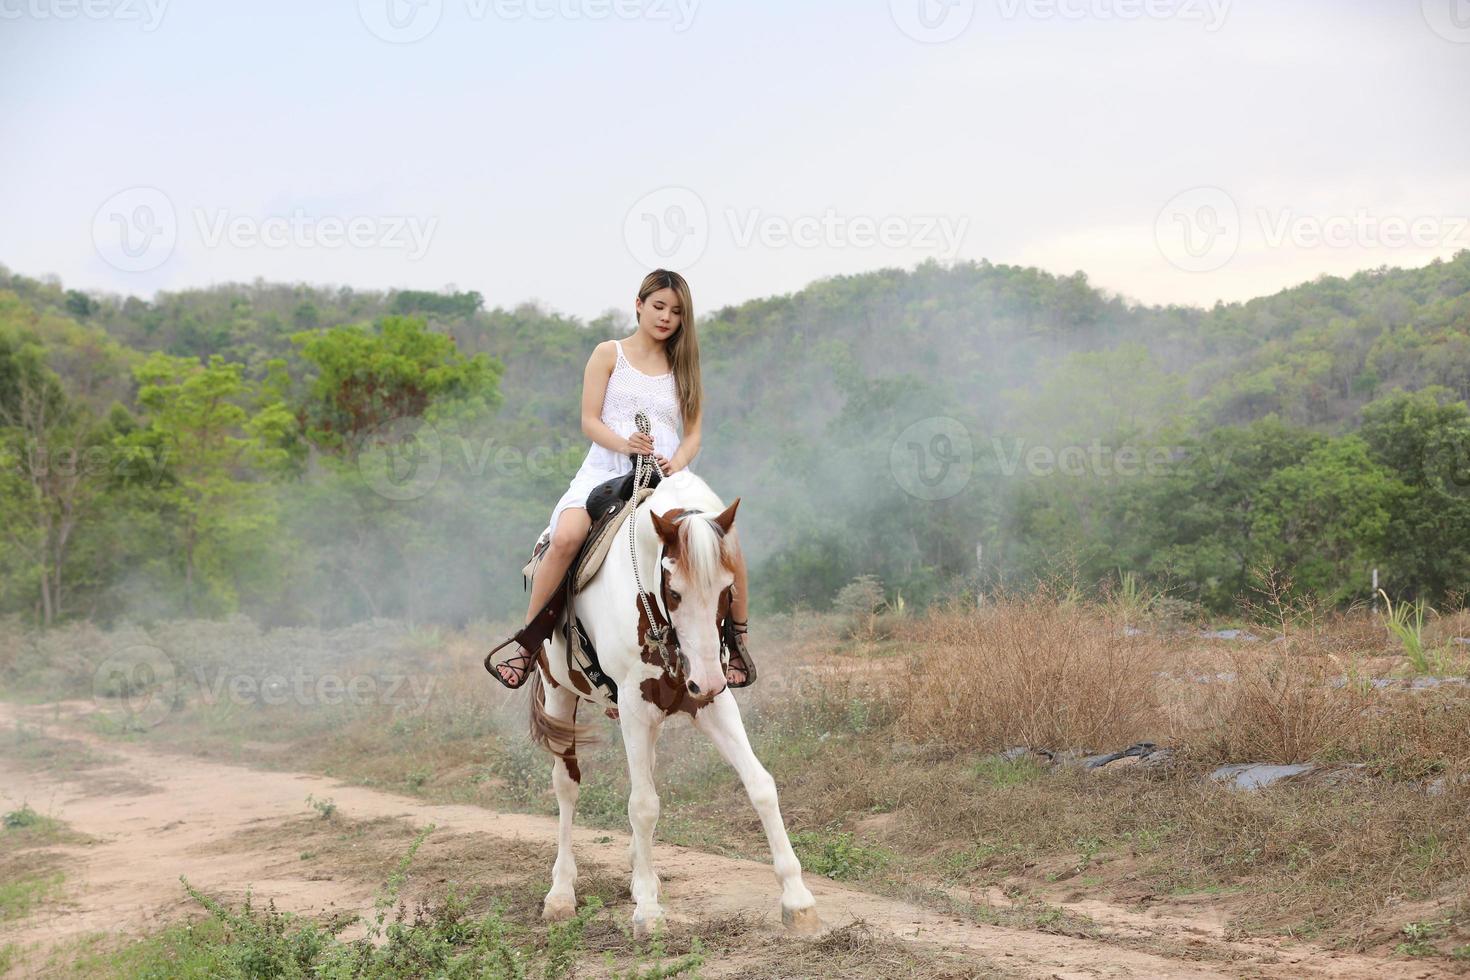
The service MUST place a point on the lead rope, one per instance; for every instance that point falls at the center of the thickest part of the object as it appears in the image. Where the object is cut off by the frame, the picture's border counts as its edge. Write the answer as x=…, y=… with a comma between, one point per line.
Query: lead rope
x=642, y=476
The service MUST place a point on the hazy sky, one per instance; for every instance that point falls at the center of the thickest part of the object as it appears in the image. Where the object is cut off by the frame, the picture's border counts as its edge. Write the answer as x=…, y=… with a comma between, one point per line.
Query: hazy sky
x=1175, y=150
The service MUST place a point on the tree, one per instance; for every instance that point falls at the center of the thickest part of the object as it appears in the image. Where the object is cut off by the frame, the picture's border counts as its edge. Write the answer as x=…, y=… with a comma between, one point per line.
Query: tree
x=214, y=448
x=368, y=377
x=1424, y=438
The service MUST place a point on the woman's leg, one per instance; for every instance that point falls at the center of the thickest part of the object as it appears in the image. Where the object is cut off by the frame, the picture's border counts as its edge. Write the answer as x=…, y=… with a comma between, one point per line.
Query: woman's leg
x=739, y=670
x=566, y=541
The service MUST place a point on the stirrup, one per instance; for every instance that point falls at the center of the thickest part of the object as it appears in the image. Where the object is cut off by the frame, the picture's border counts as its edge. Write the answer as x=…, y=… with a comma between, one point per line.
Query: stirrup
x=521, y=663
x=735, y=631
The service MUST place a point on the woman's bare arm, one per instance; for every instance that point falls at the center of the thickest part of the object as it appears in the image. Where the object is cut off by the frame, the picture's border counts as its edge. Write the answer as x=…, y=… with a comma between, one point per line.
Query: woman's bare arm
x=688, y=446
x=594, y=389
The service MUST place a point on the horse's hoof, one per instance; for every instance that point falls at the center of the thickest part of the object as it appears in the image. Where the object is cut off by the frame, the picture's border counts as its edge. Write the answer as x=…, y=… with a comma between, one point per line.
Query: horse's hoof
x=801, y=922
x=558, y=909
x=644, y=926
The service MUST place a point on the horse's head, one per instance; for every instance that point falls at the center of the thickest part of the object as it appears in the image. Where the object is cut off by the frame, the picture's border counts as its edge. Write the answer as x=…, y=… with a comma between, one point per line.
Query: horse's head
x=699, y=561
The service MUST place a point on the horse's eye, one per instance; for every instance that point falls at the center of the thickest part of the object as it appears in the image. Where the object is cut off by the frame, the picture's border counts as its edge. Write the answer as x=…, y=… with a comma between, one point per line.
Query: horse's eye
x=673, y=595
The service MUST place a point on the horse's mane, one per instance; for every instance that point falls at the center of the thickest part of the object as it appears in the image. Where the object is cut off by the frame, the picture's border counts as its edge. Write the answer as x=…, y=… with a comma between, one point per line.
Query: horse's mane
x=701, y=542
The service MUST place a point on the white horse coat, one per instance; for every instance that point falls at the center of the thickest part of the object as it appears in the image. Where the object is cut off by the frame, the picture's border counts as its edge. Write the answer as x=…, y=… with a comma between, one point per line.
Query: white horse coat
x=612, y=615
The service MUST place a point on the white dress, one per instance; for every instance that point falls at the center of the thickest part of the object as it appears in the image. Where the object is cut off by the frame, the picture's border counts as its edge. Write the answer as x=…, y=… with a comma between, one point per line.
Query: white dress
x=628, y=390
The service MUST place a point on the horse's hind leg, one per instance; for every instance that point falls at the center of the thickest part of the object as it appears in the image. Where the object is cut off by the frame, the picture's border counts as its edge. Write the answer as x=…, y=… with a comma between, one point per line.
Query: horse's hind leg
x=720, y=720
x=566, y=778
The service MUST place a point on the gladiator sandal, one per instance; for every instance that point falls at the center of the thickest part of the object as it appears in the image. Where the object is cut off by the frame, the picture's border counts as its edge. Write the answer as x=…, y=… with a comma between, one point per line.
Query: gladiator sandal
x=739, y=667
x=515, y=669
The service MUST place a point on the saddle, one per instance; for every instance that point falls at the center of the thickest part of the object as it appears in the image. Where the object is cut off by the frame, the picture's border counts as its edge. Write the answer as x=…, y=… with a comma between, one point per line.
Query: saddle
x=610, y=505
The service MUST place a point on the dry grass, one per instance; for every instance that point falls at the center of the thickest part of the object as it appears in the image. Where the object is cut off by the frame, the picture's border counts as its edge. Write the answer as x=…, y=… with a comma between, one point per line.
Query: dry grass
x=885, y=736
x=1029, y=670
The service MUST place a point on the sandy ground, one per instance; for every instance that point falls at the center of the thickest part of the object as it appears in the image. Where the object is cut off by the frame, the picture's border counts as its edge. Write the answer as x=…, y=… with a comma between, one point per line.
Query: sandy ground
x=157, y=816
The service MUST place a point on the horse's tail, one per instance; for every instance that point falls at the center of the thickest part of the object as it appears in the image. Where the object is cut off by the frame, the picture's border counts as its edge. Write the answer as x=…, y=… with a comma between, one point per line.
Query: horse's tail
x=549, y=731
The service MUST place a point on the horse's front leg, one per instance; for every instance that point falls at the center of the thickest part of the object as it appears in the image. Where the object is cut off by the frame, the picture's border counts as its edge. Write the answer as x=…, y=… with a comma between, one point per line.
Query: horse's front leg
x=566, y=778
x=640, y=725
x=720, y=720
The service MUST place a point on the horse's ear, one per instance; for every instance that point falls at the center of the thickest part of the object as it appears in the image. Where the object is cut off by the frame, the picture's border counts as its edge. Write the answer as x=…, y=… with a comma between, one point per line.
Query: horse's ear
x=667, y=527
x=727, y=517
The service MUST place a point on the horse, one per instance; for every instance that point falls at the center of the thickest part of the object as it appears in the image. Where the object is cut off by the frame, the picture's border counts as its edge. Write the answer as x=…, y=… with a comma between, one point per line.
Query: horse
x=685, y=542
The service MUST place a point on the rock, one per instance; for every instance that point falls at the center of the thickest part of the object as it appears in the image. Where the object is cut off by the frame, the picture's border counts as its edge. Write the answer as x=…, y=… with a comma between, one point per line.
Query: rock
x=1230, y=634
x=1256, y=775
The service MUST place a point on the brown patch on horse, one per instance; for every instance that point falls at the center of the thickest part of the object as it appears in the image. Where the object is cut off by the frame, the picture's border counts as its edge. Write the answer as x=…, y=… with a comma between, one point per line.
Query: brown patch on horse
x=545, y=668
x=569, y=757
x=665, y=693
x=579, y=681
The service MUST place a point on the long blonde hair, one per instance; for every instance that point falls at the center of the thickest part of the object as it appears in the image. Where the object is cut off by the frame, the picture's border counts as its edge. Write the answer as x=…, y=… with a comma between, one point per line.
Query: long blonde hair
x=683, y=346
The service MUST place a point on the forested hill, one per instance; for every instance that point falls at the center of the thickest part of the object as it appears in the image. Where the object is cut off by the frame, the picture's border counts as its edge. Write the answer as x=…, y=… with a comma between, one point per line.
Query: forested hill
x=1283, y=420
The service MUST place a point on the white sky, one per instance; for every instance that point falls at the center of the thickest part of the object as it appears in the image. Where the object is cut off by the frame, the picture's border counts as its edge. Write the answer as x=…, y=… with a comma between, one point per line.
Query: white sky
x=549, y=149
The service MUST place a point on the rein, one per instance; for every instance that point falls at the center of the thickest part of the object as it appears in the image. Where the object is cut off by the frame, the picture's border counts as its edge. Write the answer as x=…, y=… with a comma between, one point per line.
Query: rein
x=664, y=638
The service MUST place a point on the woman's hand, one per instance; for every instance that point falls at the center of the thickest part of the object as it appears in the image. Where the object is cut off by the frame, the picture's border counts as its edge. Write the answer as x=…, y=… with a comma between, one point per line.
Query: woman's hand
x=639, y=444
x=664, y=464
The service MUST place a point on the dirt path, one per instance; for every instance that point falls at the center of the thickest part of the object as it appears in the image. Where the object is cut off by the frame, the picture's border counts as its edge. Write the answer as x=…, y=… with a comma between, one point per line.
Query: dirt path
x=158, y=816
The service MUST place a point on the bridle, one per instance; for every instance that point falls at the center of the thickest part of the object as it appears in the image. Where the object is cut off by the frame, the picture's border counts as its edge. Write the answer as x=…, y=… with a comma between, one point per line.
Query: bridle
x=661, y=634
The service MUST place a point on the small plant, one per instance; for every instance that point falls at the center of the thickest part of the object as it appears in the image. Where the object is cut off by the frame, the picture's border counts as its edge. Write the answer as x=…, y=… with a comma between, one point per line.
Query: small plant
x=1417, y=936
x=858, y=603
x=1406, y=623
x=325, y=807
x=836, y=855
x=658, y=969
x=24, y=817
